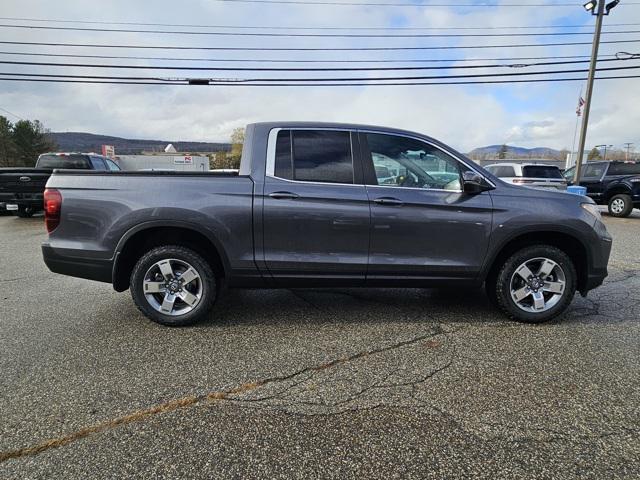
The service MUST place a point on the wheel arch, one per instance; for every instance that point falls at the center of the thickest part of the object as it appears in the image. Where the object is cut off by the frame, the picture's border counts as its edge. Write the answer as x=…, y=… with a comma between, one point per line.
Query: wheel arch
x=568, y=243
x=617, y=189
x=140, y=239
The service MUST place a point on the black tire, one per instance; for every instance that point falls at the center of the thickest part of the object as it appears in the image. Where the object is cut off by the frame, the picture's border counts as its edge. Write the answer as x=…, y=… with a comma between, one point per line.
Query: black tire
x=25, y=212
x=620, y=205
x=508, y=271
x=207, y=280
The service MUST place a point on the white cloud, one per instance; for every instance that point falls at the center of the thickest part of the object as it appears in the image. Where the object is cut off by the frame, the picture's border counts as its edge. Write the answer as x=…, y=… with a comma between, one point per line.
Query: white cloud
x=463, y=116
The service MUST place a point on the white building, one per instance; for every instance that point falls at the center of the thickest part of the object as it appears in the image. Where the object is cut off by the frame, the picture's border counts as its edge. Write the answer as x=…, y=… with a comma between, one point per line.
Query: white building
x=177, y=162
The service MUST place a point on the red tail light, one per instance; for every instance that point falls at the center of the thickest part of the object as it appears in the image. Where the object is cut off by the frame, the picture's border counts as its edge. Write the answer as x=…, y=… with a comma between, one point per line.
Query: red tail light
x=52, y=207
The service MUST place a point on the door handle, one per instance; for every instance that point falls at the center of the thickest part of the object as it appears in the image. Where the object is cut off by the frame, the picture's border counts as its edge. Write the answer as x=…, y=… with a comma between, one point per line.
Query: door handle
x=283, y=195
x=389, y=201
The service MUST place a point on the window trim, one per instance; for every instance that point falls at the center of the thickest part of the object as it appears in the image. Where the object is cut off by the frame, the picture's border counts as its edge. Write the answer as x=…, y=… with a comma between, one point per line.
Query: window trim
x=357, y=158
x=271, y=155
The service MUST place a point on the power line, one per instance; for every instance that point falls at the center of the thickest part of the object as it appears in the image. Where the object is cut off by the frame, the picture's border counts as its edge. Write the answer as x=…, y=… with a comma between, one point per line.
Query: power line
x=313, y=35
x=397, y=4
x=12, y=114
x=232, y=84
x=307, y=49
x=332, y=79
x=280, y=27
x=270, y=60
x=297, y=69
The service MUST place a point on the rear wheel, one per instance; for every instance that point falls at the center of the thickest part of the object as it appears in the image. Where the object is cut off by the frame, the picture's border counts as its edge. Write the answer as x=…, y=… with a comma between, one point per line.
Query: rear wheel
x=173, y=285
x=536, y=284
x=620, y=205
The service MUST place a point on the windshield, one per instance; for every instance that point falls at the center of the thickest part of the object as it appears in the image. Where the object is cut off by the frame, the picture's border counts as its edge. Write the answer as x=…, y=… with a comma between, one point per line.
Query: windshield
x=63, y=161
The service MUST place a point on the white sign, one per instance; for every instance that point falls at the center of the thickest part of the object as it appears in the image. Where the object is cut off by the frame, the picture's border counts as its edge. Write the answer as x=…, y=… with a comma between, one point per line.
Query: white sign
x=183, y=160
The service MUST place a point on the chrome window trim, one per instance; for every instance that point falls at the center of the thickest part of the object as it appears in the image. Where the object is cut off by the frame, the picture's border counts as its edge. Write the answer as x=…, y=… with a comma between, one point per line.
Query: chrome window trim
x=271, y=155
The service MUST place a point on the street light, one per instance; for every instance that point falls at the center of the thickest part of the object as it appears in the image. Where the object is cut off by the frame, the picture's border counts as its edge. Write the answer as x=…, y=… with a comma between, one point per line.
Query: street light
x=605, y=150
x=598, y=8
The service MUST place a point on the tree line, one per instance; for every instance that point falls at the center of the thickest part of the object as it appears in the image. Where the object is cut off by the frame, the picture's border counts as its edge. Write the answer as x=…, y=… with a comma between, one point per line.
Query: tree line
x=22, y=142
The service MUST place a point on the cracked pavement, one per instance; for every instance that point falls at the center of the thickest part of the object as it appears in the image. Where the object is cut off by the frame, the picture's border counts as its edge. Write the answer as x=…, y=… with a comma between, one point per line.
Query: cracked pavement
x=340, y=383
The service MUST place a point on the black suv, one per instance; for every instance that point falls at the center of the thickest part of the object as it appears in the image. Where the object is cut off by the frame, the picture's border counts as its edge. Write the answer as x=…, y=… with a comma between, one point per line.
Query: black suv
x=616, y=184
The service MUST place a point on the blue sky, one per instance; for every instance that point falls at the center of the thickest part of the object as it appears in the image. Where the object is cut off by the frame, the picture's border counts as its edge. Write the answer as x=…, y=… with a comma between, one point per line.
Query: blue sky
x=463, y=116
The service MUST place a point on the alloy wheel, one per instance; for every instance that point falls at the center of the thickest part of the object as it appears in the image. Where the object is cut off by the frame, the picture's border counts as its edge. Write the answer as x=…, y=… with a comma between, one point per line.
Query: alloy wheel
x=172, y=287
x=537, y=285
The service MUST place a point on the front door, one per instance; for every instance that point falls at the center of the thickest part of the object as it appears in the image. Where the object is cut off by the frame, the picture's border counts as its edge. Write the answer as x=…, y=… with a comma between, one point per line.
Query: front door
x=315, y=209
x=422, y=225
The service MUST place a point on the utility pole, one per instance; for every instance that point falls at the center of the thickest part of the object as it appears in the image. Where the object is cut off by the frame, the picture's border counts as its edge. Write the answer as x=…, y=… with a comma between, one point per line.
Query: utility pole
x=628, y=145
x=599, y=13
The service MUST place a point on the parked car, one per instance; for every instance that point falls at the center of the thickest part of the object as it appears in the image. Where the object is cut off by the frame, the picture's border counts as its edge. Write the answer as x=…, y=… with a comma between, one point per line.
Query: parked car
x=307, y=210
x=615, y=184
x=22, y=188
x=529, y=175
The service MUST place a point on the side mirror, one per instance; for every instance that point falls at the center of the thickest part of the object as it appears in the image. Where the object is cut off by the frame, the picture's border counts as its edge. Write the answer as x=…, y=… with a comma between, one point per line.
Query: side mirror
x=474, y=183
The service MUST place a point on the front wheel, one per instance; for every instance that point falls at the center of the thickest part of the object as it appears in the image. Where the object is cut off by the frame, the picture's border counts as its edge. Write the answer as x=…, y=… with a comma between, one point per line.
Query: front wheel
x=620, y=205
x=536, y=284
x=173, y=286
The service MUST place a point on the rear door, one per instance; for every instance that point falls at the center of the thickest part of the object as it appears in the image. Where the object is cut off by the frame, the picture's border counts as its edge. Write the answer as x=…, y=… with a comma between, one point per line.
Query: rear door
x=315, y=207
x=422, y=225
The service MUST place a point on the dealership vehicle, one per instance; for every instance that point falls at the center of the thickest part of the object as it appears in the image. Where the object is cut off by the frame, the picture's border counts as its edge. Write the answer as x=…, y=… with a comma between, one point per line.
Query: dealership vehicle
x=529, y=175
x=21, y=188
x=615, y=184
x=307, y=209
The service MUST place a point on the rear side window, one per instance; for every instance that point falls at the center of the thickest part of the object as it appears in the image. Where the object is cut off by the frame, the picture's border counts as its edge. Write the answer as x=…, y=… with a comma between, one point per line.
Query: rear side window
x=541, y=171
x=63, y=161
x=624, y=169
x=502, y=171
x=314, y=156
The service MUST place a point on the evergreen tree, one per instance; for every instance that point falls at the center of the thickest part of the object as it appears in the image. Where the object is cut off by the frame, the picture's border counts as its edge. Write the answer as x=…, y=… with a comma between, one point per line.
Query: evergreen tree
x=30, y=139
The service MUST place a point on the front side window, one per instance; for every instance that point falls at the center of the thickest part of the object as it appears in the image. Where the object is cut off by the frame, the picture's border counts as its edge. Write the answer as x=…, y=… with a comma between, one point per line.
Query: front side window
x=314, y=156
x=97, y=163
x=406, y=162
x=595, y=170
x=111, y=165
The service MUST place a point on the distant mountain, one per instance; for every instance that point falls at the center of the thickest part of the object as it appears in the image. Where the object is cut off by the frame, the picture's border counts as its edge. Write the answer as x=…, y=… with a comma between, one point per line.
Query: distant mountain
x=537, y=152
x=89, y=142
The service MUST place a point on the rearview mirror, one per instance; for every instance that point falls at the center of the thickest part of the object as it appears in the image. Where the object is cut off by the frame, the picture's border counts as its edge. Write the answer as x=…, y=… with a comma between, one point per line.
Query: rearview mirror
x=473, y=182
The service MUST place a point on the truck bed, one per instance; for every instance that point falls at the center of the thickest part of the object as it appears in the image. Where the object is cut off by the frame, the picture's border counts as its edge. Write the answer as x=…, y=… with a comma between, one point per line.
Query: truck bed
x=100, y=209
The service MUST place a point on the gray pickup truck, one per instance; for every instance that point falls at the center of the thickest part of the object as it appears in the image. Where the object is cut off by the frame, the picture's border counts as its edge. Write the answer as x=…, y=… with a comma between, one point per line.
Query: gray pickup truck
x=325, y=205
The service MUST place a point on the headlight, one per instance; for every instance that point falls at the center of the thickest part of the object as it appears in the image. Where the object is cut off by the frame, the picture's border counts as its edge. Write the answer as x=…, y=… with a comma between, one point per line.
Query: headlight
x=593, y=209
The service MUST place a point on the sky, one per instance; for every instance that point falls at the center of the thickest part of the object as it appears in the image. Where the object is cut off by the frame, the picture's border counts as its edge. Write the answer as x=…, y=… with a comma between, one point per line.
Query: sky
x=463, y=116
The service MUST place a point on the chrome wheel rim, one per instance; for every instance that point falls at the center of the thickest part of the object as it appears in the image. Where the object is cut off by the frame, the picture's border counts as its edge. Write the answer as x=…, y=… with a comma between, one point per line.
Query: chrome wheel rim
x=617, y=206
x=172, y=287
x=537, y=285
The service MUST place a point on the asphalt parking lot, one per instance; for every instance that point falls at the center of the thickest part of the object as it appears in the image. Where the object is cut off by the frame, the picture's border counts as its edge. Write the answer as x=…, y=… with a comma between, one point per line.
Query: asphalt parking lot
x=315, y=383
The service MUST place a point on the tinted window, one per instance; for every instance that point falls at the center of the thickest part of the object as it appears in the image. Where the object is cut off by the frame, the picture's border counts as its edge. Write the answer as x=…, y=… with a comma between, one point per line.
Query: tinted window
x=502, y=171
x=405, y=162
x=624, y=169
x=97, y=163
x=594, y=170
x=541, y=171
x=63, y=161
x=111, y=165
x=321, y=156
x=283, y=164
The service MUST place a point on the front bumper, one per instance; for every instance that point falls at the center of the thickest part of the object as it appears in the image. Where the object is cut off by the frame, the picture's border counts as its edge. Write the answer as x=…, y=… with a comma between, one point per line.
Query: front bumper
x=597, y=272
x=59, y=261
